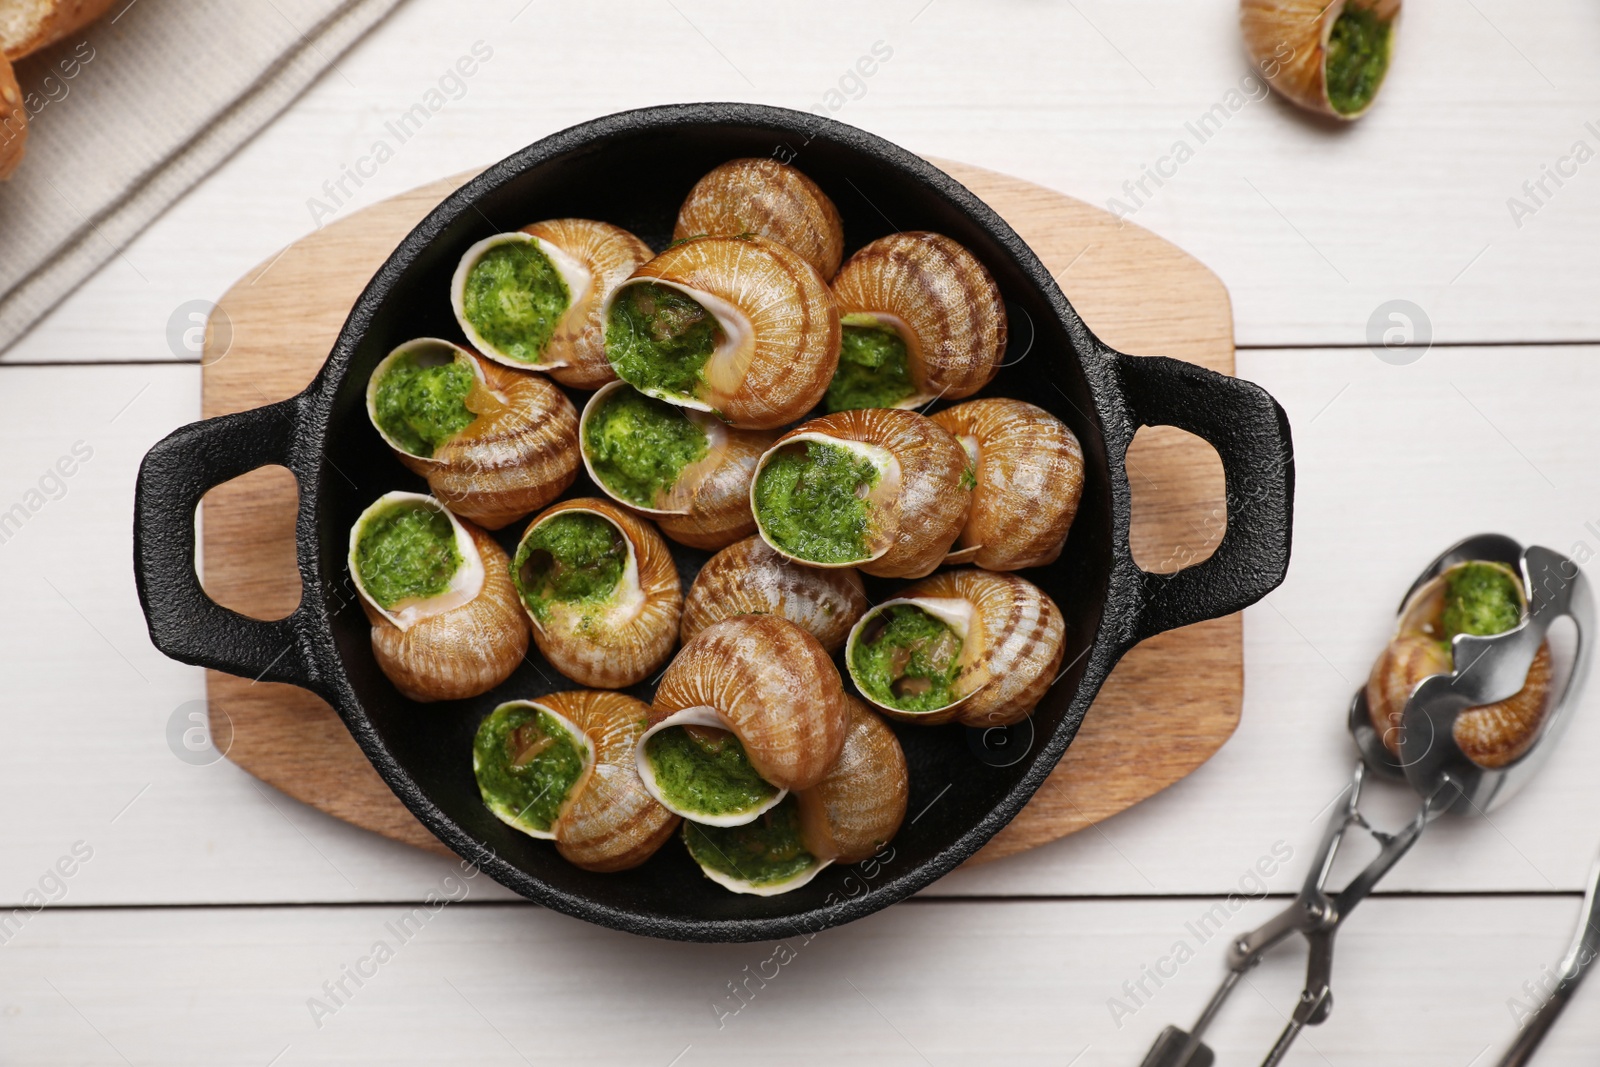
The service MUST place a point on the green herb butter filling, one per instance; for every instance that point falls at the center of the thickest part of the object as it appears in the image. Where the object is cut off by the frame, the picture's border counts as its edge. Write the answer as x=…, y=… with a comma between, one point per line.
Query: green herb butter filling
x=407, y=552
x=768, y=851
x=1481, y=598
x=874, y=371
x=526, y=763
x=514, y=298
x=659, y=339
x=906, y=658
x=639, y=446
x=811, y=499
x=705, y=770
x=1358, y=56
x=421, y=406
x=574, y=558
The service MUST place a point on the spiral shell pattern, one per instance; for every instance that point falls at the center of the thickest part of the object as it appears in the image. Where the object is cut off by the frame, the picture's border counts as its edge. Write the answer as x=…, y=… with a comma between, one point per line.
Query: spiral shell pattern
x=1287, y=40
x=462, y=652
x=777, y=363
x=577, y=350
x=942, y=301
x=1029, y=471
x=775, y=688
x=625, y=640
x=750, y=578
x=858, y=806
x=763, y=196
x=611, y=823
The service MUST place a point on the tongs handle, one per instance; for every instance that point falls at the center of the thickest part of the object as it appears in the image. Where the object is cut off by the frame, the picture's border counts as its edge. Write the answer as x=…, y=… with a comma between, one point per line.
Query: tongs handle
x=1574, y=965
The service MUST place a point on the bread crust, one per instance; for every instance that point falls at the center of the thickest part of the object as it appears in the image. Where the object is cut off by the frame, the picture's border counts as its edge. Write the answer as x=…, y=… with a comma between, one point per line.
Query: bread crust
x=13, y=121
x=65, y=17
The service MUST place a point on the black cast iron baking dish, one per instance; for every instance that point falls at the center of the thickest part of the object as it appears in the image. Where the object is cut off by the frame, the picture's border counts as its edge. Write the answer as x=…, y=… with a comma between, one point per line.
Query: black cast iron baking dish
x=633, y=169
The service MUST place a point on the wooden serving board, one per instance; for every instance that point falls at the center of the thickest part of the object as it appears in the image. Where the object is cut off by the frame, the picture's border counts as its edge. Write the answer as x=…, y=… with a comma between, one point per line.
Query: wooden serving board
x=1167, y=707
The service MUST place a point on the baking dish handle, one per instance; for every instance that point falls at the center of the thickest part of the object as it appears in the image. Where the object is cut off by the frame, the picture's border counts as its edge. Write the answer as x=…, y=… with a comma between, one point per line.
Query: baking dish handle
x=1251, y=435
x=184, y=622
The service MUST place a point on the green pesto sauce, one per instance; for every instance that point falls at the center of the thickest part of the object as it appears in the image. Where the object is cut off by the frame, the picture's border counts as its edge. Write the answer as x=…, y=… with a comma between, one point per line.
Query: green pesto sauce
x=526, y=763
x=1482, y=599
x=406, y=552
x=764, y=852
x=574, y=558
x=514, y=298
x=811, y=499
x=422, y=407
x=1358, y=56
x=639, y=445
x=969, y=479
x=873, y=369
x=908, y=659
x=708, y=775
x=657, y=338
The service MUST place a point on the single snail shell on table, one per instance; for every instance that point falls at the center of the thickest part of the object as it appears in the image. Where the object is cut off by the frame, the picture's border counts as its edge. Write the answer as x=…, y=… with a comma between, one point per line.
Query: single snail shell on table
x=858, y=806
x=754, y=701
x=750, y=578
x=1029, y=471
x=922, y=320
x=532, y=298
x=1491, y=735
x=687, y=470
x=436, y=589
x=738, y=326
x=602, y=591
x=881, y=489
x=975, y=646
x=494, y=444
x=561, y=767
x=772, y=199
x=1330, y=58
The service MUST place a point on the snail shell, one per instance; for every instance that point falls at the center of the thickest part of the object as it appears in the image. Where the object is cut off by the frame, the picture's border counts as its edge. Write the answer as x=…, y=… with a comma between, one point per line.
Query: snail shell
x=607, y=821
x=1029, y=471
x=1011, y=646
x=519, y=452
x=941, y=301
x=623, y=637
x=762, y=859
x=750, y=578
x=460, y=643
x=1491, y=735
x=591, y=258
x=778, y=329
x=763, y=196
x=1291, y=41
x=708, y=505
x=13, y=121
x=913, y=510
x=772, y=685
x=855, y=810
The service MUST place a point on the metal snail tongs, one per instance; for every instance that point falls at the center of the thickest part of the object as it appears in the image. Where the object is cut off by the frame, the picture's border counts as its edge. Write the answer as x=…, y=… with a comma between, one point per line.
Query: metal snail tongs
x=1484, y=670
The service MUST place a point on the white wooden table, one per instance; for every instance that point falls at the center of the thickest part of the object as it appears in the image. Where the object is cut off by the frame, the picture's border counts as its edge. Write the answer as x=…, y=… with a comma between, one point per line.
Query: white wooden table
x=204, y=911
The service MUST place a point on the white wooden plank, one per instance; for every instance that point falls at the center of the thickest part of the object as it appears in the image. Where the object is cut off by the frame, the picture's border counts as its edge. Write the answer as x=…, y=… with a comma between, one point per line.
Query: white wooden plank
x=1313, y=228
x=1379, y=493
x=1418, y=981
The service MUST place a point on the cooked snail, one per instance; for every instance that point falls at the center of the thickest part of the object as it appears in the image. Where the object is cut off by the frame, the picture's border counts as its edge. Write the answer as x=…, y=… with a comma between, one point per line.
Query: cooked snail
x=1029, y=472
x=687, y=470
x=532, y=298
x=445, y=624
x=494, y=444
x=882, y=489
x=1326, y=57
x=561, y=768
x=602, y=591
x=772, y=199
x=738, y=326
x=976, y=646
x=1476, y=597
x=750, y=709
x=750, y=578
x=921, y=319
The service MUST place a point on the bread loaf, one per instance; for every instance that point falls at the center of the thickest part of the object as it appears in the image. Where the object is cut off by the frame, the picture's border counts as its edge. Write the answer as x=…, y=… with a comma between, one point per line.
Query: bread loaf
x=29, y=25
